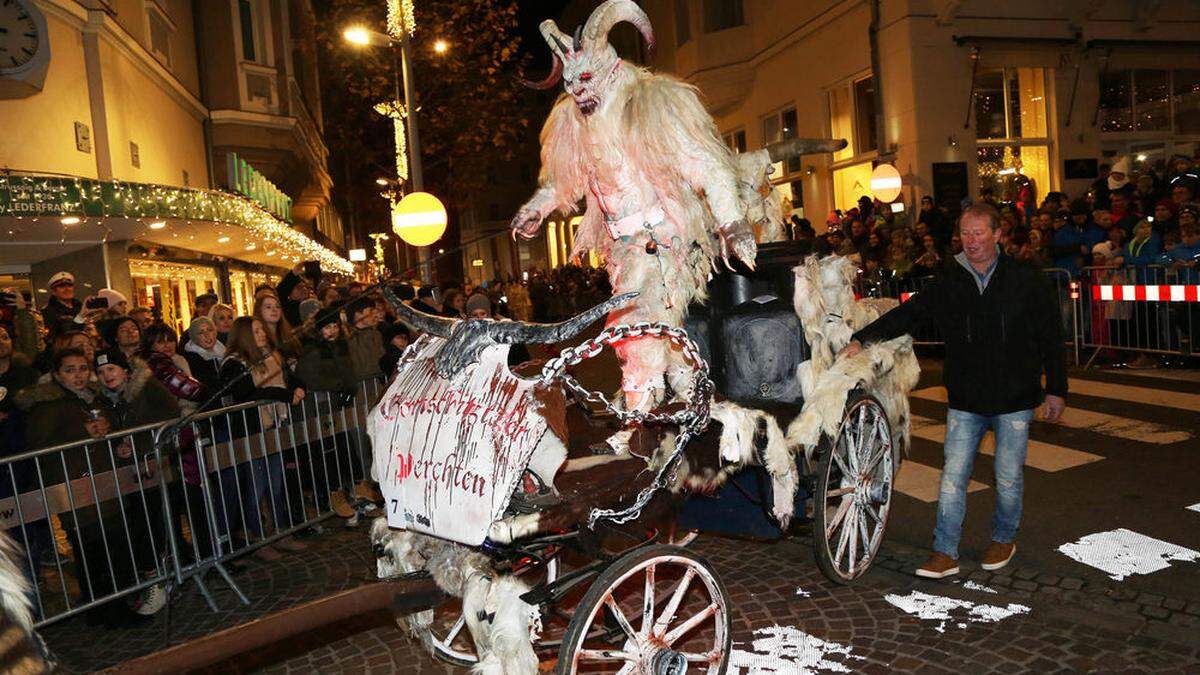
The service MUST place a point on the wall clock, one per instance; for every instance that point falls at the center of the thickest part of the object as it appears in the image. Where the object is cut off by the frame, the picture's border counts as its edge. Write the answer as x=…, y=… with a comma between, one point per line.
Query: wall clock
x=24, y=48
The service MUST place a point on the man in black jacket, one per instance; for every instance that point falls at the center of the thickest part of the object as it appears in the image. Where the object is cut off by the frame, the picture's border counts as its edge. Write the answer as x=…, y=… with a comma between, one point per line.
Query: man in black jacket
x=1002, y=329
x=60, y=311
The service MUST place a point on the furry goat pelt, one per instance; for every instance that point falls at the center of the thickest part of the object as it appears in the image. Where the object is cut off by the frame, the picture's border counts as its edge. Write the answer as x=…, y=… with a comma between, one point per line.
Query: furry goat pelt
x=502, y=625
x=21, y=649
x=752, y=438
x=889, y=370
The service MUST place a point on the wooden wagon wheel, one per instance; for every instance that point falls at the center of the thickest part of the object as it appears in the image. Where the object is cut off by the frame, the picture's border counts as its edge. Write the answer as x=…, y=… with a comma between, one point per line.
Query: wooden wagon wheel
x=671, y=609
x=855, y=474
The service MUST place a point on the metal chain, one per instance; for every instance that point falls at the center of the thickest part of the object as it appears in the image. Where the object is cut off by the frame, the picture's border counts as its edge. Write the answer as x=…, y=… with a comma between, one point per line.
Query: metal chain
x=692, y=420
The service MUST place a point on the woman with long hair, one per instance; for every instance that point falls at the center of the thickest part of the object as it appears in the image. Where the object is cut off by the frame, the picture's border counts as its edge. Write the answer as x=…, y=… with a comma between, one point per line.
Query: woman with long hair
x=222, y=316
x=269, y=311
x=255, y=371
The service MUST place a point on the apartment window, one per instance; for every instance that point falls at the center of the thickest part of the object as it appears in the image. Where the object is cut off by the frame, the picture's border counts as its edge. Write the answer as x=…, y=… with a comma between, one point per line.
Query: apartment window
x=1012, y=129
x=683, y=22
x=1150, y=100
x=160, y=28
x=852, y=117
x=249, y=34
x=780, y=127
x=722, y=14
x=735, y=140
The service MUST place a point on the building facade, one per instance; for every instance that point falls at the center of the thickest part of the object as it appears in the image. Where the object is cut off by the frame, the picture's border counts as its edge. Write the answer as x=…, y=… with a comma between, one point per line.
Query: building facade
x=120, y=131
x=960, y=95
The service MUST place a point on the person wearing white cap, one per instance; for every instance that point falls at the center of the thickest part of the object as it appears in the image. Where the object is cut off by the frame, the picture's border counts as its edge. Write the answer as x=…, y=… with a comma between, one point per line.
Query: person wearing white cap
x=61, y=309
x=1118, y=177
x=118, y=304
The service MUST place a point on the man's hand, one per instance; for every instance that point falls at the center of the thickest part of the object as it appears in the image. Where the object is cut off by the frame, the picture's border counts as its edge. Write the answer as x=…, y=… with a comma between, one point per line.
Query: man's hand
x=526, y=223
x=737, y=239
x=297, y=396
x=1053, y=408
x=851, y=349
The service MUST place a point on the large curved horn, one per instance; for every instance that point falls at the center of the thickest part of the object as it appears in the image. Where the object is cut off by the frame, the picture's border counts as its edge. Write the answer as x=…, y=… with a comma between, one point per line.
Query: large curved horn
x=611, y=13
x=554, y=37
x=551, y=79
x=794, y=147
x=420, y=321
x=515, y=332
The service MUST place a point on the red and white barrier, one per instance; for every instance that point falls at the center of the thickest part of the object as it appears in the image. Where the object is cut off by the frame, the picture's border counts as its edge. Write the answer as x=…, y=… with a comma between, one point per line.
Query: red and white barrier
x=1147, y=293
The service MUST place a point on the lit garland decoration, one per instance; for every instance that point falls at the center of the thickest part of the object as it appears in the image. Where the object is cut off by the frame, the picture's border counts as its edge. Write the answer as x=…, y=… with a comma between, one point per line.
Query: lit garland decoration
x=400, y=18
x=379, y=238
x=40, y=195
x=397, y=111
x=161, y=270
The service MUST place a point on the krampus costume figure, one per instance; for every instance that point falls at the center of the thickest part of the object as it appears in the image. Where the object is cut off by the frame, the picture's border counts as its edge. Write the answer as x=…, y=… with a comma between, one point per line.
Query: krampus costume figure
x=661, y=189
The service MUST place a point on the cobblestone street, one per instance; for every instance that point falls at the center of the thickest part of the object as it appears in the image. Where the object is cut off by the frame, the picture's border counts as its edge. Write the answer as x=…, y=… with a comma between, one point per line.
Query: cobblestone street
x=778, y=595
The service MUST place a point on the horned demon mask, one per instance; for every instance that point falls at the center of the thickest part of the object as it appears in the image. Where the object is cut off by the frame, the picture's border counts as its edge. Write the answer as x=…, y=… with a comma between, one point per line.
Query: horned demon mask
x=585, y=61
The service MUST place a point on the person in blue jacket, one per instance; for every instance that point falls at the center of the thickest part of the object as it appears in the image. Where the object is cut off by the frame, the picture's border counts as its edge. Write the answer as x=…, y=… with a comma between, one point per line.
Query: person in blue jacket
x=1145, y=248
x=1184, y=257
x=1067, y=245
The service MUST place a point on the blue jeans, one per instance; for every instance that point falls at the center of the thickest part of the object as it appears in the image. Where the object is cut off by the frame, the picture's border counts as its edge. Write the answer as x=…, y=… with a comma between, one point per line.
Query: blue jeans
x=964, y=431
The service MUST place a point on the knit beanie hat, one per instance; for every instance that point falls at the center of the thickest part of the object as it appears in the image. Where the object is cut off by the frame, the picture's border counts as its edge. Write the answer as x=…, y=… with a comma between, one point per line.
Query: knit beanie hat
x=112, y=357
x=478, y=301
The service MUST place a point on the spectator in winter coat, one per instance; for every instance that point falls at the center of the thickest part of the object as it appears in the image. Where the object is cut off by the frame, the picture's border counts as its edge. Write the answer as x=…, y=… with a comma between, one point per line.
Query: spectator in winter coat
x=254, y=371
x=1144, y=249
x=204, y=353
x=365, y=342
x=168, y=367
x=294, y=289
x=123, y=333
x=1067, y=246
x=1184, y=257
x=62, y=308
x=269, y=311
x=222, y=317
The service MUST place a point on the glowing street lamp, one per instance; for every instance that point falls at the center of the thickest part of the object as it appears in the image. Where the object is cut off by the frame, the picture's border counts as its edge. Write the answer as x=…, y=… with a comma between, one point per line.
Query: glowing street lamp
x=440, y=46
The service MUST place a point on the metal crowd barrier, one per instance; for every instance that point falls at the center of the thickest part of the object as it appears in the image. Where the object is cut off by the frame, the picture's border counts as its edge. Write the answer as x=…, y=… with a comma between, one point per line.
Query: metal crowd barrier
x=135, y=516
x=901, y=289
x=1151, y=309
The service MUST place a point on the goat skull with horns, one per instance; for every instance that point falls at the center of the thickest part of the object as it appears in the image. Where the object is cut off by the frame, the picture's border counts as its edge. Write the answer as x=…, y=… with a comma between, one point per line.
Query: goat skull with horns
x=467, y=338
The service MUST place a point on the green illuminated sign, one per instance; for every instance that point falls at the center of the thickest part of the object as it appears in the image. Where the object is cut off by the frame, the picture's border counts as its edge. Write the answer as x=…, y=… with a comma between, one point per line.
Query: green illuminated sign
x=245, y=179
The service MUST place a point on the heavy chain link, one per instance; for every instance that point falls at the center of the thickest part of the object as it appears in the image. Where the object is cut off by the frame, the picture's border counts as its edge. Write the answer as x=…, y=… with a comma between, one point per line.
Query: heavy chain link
x=692, y=419
x=693, y=415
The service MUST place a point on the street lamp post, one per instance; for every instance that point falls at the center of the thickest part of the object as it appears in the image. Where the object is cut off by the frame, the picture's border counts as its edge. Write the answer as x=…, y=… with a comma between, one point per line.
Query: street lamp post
x=402, y=65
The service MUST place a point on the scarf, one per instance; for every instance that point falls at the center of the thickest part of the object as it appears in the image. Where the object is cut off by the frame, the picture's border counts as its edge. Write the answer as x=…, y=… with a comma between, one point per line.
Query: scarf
x=217, y=353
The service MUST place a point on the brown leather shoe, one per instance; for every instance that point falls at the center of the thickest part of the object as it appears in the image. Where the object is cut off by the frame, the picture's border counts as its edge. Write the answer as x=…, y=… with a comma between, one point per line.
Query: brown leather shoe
x=939, y=566
x=998, y=555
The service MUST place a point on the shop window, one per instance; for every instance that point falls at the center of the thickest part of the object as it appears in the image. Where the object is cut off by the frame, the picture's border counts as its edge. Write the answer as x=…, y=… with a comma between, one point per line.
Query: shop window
x=735, y=140
x=1150, y=100
x=1186, y=101
x=722, y=14
x=1005, y=169
x=1010, y=103
x=864, y=114
x=683, y=23
x=780, y=127
x=850, y=183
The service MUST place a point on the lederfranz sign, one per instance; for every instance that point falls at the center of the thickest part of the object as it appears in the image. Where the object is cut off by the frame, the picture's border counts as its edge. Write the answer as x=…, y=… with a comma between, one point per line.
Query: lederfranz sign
x=246, y=180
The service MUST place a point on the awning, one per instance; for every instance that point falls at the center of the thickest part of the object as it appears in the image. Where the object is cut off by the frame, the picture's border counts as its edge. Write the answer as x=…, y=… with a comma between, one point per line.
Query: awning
x=43, y=216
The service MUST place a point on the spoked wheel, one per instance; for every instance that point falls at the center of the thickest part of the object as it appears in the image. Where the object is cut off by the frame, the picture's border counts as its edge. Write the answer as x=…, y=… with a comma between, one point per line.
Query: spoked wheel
x=448, y=637
x=674, y=535
x=854, y=491
x=669, y=613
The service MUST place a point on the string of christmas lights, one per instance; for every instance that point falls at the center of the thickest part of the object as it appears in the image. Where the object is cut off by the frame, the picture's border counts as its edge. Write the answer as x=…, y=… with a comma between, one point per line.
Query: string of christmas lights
x=400, y=18
x=34, y=195
x=396, y=111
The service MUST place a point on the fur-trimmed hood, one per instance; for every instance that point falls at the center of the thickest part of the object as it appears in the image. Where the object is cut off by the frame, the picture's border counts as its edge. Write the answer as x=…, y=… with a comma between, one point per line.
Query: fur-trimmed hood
x=44, y=392
x=139, y=375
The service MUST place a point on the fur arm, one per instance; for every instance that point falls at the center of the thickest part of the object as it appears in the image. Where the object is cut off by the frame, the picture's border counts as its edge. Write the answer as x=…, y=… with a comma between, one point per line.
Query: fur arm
x=563, y=178
x=666, y=119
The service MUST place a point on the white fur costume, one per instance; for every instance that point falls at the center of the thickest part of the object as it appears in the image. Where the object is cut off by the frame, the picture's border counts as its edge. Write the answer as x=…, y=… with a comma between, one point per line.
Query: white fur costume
x=661, y=189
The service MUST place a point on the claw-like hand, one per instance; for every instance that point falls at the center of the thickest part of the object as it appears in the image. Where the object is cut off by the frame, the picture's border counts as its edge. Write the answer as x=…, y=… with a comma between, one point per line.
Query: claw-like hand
x=526, y=223
x=737, y=239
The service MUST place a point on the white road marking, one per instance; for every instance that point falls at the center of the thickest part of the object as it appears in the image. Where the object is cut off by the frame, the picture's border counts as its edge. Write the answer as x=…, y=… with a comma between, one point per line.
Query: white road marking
x=1121, y=553
x=938, y=608
x=1039, y=455
x=924, y=482
x=783, y=649
x=1101, y=423
x=1126, y=392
